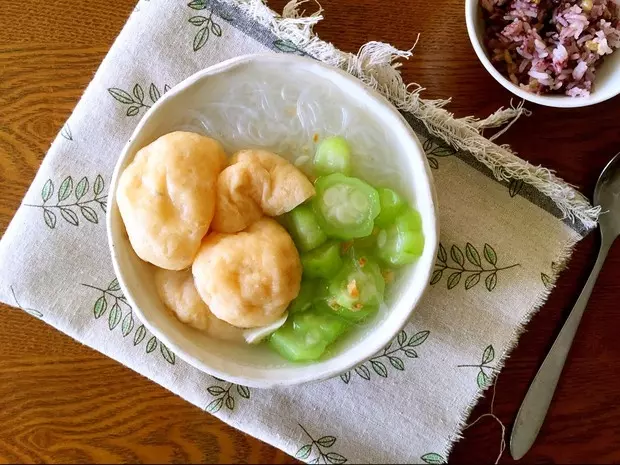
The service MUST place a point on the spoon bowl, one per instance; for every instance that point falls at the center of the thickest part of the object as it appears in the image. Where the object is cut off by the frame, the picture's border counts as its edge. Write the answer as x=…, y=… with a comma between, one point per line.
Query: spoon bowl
x=607, y=195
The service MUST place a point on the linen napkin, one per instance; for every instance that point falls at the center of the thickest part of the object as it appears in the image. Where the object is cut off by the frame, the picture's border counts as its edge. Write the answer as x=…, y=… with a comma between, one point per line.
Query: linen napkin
x=506, y=230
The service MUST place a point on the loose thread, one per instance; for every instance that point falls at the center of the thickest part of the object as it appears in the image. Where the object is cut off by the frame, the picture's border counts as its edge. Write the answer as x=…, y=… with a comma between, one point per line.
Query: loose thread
x=502, y=446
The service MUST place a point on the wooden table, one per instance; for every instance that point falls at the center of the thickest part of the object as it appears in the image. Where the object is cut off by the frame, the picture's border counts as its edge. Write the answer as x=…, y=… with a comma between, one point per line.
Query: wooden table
x=62, y=402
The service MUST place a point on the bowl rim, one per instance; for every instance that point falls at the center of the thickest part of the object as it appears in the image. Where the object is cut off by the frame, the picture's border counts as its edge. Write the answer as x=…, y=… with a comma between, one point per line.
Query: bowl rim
x=431, y=240
x=556, y=101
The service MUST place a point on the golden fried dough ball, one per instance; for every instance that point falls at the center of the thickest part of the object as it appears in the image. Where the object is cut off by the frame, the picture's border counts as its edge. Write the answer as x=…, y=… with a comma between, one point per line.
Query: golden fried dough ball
x=166, y=197
x=248, y=278
x=177, y=291
x=257, y=182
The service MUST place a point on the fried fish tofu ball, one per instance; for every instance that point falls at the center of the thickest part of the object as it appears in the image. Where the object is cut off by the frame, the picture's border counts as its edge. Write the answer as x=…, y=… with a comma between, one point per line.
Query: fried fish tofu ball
x=257, y=182
x=248, y=278
x=177, y=291
x=166, y=197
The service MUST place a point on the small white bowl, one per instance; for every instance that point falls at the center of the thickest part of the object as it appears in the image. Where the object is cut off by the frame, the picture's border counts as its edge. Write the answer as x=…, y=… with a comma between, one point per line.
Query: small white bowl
x=606, y=84
x=258, y=366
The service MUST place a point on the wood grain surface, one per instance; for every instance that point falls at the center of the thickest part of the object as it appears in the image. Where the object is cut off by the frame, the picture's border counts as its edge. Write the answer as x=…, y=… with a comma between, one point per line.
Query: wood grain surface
x=63, y=402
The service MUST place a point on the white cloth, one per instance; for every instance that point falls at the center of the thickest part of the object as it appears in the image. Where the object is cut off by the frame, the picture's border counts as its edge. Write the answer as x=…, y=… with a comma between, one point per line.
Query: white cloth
x=408, y=404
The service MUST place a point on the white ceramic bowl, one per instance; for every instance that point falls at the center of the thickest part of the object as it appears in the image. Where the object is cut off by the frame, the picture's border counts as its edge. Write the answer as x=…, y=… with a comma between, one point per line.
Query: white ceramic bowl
x=258, y=366
x=606, y=84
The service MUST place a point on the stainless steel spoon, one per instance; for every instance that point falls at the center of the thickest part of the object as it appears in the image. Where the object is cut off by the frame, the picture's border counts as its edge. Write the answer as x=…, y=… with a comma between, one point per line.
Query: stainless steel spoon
x=534, y=408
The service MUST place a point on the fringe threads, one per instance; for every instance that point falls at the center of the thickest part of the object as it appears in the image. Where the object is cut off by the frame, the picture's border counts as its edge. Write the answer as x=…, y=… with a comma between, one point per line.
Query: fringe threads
x=376, y=64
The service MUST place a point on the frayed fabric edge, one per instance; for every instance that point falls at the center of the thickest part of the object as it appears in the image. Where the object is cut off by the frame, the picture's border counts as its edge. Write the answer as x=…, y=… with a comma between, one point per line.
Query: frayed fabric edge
x=376, y=64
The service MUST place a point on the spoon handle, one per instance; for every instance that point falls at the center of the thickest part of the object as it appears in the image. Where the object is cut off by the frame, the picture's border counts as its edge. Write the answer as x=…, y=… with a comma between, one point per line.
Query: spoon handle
x=534, y=407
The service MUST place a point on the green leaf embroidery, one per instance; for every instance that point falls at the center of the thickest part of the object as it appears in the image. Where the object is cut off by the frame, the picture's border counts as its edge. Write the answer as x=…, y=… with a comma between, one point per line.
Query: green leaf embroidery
x=304, y=452
x=324, y=442
x=201, y=37
x=379, y=368
x=223, y=396
x=473, y=271
x=128, y=323
x=286, y=46
x=121, y=96
x=82, y=188
x=215, y=405
x=515, y=187
x=436, y=150
x=243, y=391
x=397, y=363
x=138, y=93
x=167, y=354
x=135, y=102
x=472, y=255
x=482, y=379
x=198, y=4
x=197, y=20
x=491, y=281
x=216, y=29
x=47, y=191
x=114, y=317
x=65, y=189
x=363, y=372
x=488, y=355
x=89, y=214
x=546, y=280
x=124, y=319
x=68, y=210
x=390, y=354
x=69, y=216
x=99, y=185
x=442, y=256
x=151, y=345
x=50, y=218
x=30, y=311
x=436, y=277
x=215, y=390
x=472, y=280
x=154, y=94
x=454, y=279
x=333, y=457
x=66, y=132
x=433, y=458
x=490, y=255
x=139, y=335
x=418, y=338
x=100, y=307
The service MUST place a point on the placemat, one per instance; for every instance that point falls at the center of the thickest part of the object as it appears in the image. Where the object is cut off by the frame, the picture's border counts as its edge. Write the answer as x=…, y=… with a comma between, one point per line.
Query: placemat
x=506, y=229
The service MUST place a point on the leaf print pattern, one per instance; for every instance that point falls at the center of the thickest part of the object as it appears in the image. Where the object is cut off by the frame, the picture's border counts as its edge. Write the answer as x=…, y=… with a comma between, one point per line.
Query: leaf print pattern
x=286, y=46
x=208, y=26
x=85, y=203
x=433, y=458
x=30, y=311
x=515, y=187
x=120, y=315
x=546, y=279
x=434, y=151
x=223, y=397
x=66, y=132
x=473, y=273
x=135, y=100
x=391, y=354
x=318, y=447
x=484, y=369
